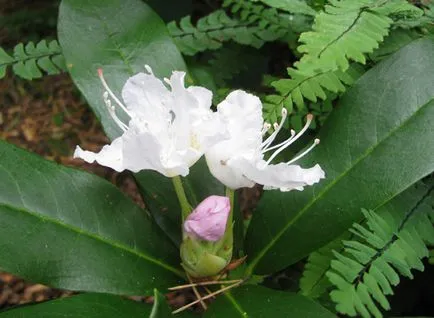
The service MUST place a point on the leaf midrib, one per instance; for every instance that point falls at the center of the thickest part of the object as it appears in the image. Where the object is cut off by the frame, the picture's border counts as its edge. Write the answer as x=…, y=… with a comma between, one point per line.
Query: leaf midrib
x=104, y=240
x=256, y=260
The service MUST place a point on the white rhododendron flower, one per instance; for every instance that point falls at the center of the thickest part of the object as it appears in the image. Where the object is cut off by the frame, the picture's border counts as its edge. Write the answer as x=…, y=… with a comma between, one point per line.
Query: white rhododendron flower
x=168, y=129
x=239, y=160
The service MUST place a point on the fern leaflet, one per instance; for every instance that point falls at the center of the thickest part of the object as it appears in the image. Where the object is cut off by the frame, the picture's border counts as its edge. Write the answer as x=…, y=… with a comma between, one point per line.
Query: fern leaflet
x=211, y=31
x=390, y=244
x=347, y=30
x=268, y=17
x=344, y=31
x=314, y=282
x=31, y=61
x=292, y=6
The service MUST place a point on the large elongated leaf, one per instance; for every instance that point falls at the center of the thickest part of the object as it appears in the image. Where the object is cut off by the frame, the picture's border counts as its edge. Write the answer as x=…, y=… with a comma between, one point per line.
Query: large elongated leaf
x=261, y=302
x=82, y=306
x=120, y=36
x=378, y=142
x=73, y=230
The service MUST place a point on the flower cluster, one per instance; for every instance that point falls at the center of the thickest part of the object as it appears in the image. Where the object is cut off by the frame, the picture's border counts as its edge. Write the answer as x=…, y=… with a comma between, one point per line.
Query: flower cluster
x=168, y=130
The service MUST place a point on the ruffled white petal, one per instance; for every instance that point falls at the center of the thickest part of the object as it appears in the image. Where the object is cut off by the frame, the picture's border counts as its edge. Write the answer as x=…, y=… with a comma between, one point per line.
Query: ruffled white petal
x=144, y=95
x=109, y=156
x=224, y=169
x=280, y=176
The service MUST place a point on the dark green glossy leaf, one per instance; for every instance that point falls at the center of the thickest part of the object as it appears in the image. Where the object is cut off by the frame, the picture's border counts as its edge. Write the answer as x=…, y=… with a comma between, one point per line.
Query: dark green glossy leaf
x=260, y=302
x=69, y=229
x=119, y=36
x=82, y=306
x=161, y=308
x=378, y=142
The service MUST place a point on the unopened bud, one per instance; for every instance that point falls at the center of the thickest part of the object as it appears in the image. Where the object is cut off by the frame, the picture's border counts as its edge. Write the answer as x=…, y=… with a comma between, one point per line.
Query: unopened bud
x=206, y=248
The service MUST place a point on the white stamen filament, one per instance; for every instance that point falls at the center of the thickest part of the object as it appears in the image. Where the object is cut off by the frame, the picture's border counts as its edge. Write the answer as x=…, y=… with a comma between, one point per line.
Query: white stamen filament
x=112, y=112
x=280, y=144
x=277, y=128
x=291, y=140
x=109, y=91
x=316, y=142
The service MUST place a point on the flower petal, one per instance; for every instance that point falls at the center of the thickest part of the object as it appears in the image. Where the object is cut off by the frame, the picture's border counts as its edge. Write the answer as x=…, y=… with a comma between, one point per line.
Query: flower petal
x=144, y=95
x=280, y=176
x=109, y=156
x=222, y=168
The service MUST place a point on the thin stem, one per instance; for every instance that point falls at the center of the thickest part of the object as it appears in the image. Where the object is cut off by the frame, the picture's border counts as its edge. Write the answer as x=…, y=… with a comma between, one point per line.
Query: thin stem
x=182, y=198
x=230, y=193
x=213, y=282
x=206, y=297
x=196, y=293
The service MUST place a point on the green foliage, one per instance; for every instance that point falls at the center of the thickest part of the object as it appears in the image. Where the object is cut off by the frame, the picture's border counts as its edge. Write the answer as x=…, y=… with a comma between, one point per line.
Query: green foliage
x=30, y=61
x=368, y=136
x=258, y=301
x=211, y=31
x=83, y=306
x=254, y=26
x=314, y=281
x=390, y=244
x=295, y=90
x=345, y=31
x=77, y=231
x=396, y=39
x=268, y=17
x=293, y=6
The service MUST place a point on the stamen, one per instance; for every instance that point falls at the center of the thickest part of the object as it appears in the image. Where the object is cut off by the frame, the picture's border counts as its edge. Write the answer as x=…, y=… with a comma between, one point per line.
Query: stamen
x=112, y=112
x=112, y=95
x=315, y=143
x=291, y=140
x=277, y=128
x=149, y=69
x=280, y=144
x=265, y=128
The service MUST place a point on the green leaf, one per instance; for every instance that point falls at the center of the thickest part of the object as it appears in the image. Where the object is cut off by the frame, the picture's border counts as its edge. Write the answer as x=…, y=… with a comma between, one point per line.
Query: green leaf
x=82, y=306
x=160, y=309
x=125, y=36
x=119, y=36
x=373, y=146
x=257, y=301
x=29, y=60
x=69, y=229
x=314, y=281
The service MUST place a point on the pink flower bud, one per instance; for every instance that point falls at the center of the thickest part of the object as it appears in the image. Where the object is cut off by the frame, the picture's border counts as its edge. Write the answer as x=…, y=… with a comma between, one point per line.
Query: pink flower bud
x=208, y=220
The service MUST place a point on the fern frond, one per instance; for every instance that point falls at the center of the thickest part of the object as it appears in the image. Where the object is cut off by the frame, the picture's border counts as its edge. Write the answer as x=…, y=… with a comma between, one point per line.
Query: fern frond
x=211, y=31
x=397, y=39
x=31, y=61
x=390, y=244
x=295, y=90
x=314, y=281
x=347, y=30
x=268, y=17
x=292, y=6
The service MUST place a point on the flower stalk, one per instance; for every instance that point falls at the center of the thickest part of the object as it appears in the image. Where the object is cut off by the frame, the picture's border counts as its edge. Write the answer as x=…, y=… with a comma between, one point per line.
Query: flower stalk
x=186, y=208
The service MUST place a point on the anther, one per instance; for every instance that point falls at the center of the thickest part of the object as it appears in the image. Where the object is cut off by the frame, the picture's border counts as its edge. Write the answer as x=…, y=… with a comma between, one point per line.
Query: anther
x=149, y=69
x=277, y=128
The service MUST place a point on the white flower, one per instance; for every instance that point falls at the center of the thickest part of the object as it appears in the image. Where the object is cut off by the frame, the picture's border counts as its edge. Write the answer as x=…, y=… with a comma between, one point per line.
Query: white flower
x=167, y=131
x=239, y=161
